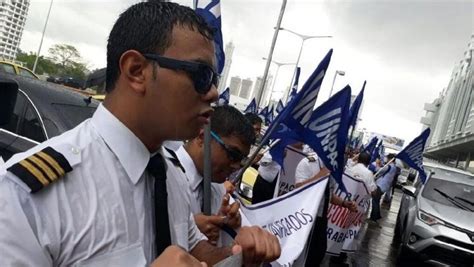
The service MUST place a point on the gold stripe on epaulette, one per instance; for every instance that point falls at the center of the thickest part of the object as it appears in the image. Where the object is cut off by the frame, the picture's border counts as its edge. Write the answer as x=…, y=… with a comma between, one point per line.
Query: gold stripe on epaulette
x=52, y=162
x=49, y=172
x=33, y=170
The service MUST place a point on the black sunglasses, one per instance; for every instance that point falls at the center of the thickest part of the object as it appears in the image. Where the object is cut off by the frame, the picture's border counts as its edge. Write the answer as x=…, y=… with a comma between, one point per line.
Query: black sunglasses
x=233, y=154
x=203, y=75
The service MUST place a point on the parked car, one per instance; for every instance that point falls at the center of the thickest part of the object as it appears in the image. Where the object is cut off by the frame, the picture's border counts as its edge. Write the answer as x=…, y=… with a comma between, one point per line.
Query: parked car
x=17, y=69
x=32, y=111
x=67, y=81
x=435, y=222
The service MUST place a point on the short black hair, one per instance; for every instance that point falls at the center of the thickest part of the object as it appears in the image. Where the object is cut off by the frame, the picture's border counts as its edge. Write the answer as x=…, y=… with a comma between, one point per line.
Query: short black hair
x=147, y=28
x=253, y=118
x=227, y=121
x=390, y=156
x=364, y=158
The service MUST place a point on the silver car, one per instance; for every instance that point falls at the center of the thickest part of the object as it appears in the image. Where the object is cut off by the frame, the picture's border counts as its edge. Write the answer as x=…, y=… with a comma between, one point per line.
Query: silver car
x=435, y=222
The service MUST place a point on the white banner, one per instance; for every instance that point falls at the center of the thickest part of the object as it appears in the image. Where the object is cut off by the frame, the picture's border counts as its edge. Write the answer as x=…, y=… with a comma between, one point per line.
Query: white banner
x=343, y=225
x=289, y=217
x=286, y=182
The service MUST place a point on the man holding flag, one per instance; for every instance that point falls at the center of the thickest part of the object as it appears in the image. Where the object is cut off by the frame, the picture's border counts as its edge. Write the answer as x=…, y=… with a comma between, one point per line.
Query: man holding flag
x=384, y=183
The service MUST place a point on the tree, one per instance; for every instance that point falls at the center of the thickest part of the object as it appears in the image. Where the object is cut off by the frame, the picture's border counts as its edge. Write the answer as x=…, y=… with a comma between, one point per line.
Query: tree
x=45, y=65
x=64, y=55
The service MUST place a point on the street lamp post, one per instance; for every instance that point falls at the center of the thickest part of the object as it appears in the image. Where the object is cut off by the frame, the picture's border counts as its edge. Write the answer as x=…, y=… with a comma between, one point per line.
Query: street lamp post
x=278, y=64
x=42, y=37
x=303, y=38
x=338, y=72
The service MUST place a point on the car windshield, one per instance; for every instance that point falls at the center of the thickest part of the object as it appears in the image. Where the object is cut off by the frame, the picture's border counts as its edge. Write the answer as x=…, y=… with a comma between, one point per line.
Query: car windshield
x=74, y=114
x=451, y=189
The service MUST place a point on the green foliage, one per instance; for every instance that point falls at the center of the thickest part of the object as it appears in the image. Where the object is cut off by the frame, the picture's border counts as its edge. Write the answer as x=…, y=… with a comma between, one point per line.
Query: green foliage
x=64, y=60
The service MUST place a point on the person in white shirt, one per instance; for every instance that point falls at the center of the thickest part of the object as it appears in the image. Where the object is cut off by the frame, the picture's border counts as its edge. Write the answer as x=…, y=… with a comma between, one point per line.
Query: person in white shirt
x=232, y=136
x=308, y=170
x=360, y=171
x=86, y=197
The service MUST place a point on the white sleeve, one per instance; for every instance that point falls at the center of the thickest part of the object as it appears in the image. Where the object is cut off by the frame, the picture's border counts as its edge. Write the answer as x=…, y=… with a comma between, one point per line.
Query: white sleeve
x=194, y=235
x=303, y=171
x=19, y=243
x=370, y=182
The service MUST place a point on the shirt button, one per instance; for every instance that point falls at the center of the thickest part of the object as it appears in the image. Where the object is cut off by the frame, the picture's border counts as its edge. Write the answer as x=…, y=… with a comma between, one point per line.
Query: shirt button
x=74, y=150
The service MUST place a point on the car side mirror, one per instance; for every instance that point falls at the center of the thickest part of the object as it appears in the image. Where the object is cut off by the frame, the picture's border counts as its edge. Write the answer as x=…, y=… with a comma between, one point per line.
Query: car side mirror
x=8, y=94
x=409, y=190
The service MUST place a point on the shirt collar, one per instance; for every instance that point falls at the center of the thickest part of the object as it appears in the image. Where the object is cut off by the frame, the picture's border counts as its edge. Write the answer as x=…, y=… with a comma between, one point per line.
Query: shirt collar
x=130, y=151
x=194, y=178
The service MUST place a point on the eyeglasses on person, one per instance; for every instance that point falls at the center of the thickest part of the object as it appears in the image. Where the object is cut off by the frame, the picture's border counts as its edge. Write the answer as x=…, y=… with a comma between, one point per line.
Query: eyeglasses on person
x=233, y=154
x=203, y=75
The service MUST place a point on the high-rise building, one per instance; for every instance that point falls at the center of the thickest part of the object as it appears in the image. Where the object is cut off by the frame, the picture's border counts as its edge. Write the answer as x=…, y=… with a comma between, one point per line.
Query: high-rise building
x=266, y=90
x=245, y=88
x=235, y=83
x=12, y=21
x=451, y=117
x=229, y=51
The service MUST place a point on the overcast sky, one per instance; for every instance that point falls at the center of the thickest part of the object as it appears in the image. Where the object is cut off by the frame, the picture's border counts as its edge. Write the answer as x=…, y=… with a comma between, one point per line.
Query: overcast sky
x=405, y=49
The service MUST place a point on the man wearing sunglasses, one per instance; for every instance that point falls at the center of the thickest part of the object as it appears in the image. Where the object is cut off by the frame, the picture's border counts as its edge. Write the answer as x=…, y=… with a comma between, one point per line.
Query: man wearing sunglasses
x=232, y=136
x=88, y=197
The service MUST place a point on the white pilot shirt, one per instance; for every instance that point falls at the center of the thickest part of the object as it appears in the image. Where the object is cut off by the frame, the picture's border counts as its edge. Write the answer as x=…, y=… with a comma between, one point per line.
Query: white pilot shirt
x=99, y=214
x=359, y=171
x=306, y=169
x=194, y=181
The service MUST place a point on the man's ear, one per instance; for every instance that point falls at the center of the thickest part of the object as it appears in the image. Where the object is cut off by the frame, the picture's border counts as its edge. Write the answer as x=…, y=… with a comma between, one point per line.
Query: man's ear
x=134, y=70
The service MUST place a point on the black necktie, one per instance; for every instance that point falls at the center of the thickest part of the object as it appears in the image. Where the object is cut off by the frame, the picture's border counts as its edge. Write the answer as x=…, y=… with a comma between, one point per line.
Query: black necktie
x=156, y=167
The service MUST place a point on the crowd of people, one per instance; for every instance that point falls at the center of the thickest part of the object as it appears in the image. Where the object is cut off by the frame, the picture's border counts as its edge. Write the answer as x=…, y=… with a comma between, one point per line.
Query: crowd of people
x=118, y=190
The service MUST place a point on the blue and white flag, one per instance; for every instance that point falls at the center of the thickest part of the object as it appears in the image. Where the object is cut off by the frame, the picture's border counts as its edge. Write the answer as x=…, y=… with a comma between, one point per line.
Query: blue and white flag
x=263, y=112
x=354, y=111
x=224, y=97
x=279, y=107
x=369, y=148
x=269, y=116
x=290, y=122
x=412, y=154
x=326, y=132
x=294, y=88
x=210, y=10
x=376, y=153
x=252, y=107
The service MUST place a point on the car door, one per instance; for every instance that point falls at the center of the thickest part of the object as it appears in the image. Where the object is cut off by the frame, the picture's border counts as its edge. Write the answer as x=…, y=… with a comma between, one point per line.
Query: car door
x=24, y=130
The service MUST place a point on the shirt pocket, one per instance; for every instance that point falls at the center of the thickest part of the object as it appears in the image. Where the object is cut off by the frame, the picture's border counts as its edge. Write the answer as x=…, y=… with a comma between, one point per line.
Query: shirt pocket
x=127, y=257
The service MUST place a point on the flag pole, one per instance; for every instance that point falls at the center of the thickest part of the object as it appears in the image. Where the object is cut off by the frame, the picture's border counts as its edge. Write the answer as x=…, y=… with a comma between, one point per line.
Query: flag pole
x=270, y=54
x=207, y=170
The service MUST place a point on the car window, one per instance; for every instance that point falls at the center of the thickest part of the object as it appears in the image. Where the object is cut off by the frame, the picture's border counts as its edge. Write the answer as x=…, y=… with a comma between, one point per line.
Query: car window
x=7, y=68
x=17, y=115
x=26, y=73
x=437, y=189
x=74, y=114
x=31, y=125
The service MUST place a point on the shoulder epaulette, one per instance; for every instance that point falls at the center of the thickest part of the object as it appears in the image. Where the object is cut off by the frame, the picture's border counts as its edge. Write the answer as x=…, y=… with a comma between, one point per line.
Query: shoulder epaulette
x=41, y=169
x=174, y=159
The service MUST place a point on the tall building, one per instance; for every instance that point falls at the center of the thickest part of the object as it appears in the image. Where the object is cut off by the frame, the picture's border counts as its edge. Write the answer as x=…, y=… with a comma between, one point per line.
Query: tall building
x=451, y=117
x=266, y=90
x=229, y=51
x=235, y=83
x=12, y=21
x=245, y=88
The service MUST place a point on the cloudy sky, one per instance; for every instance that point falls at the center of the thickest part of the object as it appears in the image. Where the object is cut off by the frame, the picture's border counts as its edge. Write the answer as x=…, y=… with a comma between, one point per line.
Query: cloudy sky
x=405, y=49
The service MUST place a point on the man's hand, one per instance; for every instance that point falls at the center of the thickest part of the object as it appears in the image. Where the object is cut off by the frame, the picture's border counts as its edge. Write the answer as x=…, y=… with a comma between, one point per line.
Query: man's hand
x=175, y=256
x=210, y=226
x=231, y=212
x=229, y=187
x=257, y=245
